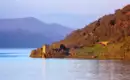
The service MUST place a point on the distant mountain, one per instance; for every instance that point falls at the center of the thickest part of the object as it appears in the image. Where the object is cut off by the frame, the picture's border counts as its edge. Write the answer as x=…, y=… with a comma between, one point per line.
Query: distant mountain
x=71, y=20
x=29, y=32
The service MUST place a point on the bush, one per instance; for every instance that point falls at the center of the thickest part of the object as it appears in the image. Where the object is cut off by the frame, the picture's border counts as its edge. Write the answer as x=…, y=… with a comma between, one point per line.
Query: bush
x=113, y=22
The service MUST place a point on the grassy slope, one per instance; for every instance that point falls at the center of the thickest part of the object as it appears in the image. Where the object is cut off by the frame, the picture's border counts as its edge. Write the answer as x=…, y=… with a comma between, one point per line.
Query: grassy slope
x=120, y=50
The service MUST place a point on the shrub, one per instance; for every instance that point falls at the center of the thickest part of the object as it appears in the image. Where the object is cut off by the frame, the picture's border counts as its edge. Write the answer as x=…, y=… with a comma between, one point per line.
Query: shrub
x=113, y=22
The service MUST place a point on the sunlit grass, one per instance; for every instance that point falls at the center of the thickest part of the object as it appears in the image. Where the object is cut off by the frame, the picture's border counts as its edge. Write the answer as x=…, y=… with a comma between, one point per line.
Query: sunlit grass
x=94, y=50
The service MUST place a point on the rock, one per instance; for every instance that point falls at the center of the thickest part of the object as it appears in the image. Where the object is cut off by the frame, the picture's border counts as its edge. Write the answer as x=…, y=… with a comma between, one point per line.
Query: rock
x=60, y=52
x=33, y=52
x=37, y=53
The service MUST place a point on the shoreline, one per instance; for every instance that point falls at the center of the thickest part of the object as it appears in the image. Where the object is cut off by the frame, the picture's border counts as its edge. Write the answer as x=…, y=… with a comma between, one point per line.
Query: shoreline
x=83, y=58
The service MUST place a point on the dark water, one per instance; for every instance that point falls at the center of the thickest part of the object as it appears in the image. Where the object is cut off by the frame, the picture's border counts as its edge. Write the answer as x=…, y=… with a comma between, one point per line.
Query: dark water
x=16, y=65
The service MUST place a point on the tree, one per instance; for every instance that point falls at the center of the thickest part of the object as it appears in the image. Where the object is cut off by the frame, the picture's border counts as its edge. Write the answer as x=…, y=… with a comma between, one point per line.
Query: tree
x=62, y=46
x=112, y=22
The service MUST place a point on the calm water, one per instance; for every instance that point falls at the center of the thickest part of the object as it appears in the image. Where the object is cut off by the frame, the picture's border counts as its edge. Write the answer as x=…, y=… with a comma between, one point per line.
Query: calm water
x=16, y=65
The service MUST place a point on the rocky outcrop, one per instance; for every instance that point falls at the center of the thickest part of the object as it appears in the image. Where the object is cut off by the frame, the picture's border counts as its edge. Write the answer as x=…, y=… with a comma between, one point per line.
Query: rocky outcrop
x=37, y=53
x=60, y=52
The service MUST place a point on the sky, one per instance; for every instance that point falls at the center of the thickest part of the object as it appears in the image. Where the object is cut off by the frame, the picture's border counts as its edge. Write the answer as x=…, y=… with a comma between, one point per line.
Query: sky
x=71, y=13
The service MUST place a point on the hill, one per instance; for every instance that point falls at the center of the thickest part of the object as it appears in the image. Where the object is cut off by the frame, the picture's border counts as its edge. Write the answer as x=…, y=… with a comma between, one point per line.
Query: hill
x=105, y=38
x=29, y=32
x=112, y=28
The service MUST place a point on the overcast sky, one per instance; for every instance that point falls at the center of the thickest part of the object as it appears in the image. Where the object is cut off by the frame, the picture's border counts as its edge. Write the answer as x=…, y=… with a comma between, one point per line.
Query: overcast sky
x=39, y=8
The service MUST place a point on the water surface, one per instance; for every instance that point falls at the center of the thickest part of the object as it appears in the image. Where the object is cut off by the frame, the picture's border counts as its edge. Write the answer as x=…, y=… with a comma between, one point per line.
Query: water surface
x=16, y=65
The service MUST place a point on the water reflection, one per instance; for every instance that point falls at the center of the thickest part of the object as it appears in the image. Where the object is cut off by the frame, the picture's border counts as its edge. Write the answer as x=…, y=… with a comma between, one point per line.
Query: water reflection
x=87, y=70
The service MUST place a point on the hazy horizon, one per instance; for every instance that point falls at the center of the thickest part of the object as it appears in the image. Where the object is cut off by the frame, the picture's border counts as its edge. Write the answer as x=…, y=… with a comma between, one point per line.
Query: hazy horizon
x=74, y=14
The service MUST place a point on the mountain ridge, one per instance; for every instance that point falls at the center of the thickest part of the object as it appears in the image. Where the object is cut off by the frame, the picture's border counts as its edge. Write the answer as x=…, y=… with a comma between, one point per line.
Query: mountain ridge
x=36, y=30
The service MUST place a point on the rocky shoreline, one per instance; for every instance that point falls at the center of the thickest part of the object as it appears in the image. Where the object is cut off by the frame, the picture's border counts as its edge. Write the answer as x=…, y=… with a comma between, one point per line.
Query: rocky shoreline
x=72, y=54
x=61, y=52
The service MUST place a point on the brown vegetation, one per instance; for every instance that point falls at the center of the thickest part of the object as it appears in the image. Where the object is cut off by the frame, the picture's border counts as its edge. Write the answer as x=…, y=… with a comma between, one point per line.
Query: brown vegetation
x=112, y=27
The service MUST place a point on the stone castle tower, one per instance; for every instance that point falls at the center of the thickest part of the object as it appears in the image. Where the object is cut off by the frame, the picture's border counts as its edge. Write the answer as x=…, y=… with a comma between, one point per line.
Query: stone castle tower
x=45, y=49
